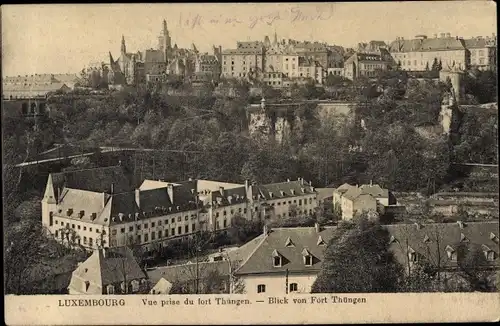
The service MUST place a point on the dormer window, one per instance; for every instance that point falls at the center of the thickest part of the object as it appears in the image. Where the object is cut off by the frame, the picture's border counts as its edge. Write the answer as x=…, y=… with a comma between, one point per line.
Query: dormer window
x=493, y=237
x=426, y=239
x=488, y=253
x=463, y=238
x=289, y=243
x=452, y=254
x=282, y=193
x=320, y=242
x=271, y=194
x=135, y=285
x=308, y=261
x=292, y=191
x=412, y=255
x=277, y=259
x=392, y=239
x=86, y=286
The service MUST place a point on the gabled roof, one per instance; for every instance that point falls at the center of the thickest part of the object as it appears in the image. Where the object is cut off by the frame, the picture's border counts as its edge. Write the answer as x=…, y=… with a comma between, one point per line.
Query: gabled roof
x=260, y=252
x=31, y=90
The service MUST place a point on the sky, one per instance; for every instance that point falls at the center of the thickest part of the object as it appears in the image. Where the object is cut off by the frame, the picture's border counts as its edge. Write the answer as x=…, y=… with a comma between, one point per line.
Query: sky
x=64, y=38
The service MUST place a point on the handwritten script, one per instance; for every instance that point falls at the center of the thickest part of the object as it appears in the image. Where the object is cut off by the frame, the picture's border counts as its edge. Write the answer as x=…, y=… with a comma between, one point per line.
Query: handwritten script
x=292, y=15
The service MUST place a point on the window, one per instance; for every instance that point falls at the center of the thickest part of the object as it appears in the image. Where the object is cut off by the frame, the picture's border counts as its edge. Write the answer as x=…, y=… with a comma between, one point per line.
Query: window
x=135, y=285
x=173, y=231
x=130, y=228
x=173, y=220
x=193, y=227
x=146, y=237
x=293, y=287
x=152, y=224
x=57, y=222
x=277, y=261
x=153, y=236
x=179, y=218
x=186, y=229
x=159, y=223
x=490, y=255
x=72, y=226
x=56, y=234
x=138, y=227
x=308, y=260
x=224, y=223
x=146, y=225
x=91, y=242
x=179, y=230
x=261, y=288
x=300, y=202
x=78, y=227
x=110, y=289
x=122, y=230
x=186, y=217
x=97, y=231
x=166, y=233
x=84, y=239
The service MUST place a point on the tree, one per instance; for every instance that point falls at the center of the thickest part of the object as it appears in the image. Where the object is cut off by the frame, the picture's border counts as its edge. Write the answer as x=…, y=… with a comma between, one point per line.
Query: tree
x=357, y=260
x=427, y=66
x=440, y=65
x=435, y=65
x=243, y=230
x=473, y=267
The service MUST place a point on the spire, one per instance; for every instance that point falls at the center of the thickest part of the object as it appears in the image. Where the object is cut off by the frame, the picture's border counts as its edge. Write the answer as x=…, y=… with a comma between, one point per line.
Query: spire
x=275, y=40
x=111, y=61
x=165, y=29
x=123, y=48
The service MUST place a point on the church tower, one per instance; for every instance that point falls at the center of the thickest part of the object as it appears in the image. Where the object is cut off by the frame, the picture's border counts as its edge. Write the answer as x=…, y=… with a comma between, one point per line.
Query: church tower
x=123, y=48
x=164, y=41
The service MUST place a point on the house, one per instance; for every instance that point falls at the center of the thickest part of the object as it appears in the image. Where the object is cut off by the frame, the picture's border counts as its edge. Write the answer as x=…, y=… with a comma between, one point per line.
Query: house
x=109, y=271
x=483, y=52
x=366, y=64
x=364, y=198
x=213, y=277
x=281, y=260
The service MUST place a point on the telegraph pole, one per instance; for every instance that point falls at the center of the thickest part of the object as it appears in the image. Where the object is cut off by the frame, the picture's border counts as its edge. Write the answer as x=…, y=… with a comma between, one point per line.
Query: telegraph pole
x=286, y=281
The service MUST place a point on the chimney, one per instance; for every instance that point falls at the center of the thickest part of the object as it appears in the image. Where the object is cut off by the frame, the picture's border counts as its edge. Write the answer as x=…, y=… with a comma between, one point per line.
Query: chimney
x=371, y=182
x=317, y=227
x=190, y=179
x=287, y=180
x=112, y=188
x=448, y=35
x=138, y=197
x=418, y=225
x=461, y=224
x=221, y=190
x=170, y=190
x=246, y=186
x=104, y=252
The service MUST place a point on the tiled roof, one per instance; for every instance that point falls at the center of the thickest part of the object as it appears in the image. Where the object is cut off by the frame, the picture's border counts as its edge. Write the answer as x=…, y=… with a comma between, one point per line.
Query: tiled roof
x=112, y=267
x=73, y=201
x=429, y=44
x=352, y=192
x=282, y=190
x=97, y=179
x=243, y=51
x=187, y=272
x=260, y=258
x=343, y=188
x=375, y=191
x=427, y=238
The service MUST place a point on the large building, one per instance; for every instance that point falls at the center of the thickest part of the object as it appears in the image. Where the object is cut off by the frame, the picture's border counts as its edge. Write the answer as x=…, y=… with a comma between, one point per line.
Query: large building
x=366, y=65
x=99, y=207
x=420, y=53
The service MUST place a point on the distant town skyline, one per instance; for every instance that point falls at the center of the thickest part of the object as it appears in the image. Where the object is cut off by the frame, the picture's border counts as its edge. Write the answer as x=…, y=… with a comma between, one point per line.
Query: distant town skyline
x=65, y=38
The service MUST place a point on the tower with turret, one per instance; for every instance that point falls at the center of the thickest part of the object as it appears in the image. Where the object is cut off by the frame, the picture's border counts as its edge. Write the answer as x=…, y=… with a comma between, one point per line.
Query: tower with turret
x=164, y=41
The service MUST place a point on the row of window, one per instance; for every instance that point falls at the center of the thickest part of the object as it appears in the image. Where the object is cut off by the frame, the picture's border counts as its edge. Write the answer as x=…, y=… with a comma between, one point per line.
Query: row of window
x=292, y=287
x=164, y=233
x=299, y=212
x=294, y=201
x=78, y=227
x=224, y=213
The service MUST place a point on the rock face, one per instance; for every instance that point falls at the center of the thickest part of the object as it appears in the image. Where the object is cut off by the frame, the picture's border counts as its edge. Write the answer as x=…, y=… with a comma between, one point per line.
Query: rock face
x=279, y=121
